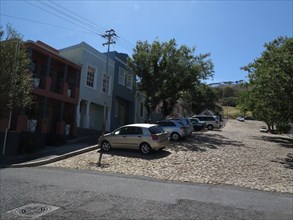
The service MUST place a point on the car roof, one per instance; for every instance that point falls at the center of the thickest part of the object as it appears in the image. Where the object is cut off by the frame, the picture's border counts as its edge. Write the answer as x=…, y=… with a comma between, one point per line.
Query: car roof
x=142, y=125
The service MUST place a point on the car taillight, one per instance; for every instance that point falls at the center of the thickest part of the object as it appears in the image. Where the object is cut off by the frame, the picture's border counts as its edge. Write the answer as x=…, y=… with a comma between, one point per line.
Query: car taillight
x=154, y=137
x=182, y=128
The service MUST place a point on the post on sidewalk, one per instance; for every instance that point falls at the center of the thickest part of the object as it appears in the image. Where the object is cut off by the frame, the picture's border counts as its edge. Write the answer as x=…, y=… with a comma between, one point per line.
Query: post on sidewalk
x=100, y=158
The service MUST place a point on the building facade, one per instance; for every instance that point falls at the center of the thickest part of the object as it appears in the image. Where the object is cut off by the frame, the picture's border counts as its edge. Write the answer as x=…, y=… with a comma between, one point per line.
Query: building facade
x=55, y=90
x=96, y=87
x=124, y=92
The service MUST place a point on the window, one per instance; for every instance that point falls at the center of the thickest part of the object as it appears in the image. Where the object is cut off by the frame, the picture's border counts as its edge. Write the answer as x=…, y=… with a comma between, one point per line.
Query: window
x=156, y=130
x=141, y=109
x=90, y=80
x=128, y=81
x=121, y=77
x=106, y=81
x=130, y=131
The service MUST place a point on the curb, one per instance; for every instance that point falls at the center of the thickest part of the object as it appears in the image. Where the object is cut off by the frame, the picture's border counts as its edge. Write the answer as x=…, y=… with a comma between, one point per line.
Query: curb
x=52, y=158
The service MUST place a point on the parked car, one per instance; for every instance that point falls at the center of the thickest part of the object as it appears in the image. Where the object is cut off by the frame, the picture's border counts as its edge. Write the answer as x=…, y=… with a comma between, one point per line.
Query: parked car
x=197, y=124
x=175, y=129
x=211, y=121
x=186, y=122
x=143, y=137
x=240, y=118
x=263, y=129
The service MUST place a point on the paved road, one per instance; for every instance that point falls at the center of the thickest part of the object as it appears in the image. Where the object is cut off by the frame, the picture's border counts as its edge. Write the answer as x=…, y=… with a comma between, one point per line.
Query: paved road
x=80, y=194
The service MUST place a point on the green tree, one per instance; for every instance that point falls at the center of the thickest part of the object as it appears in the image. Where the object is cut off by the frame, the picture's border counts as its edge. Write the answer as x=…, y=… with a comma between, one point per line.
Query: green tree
x=228, y=92
x=201, y=97
x=270, y=91
x=15, y=79
x=166, y=71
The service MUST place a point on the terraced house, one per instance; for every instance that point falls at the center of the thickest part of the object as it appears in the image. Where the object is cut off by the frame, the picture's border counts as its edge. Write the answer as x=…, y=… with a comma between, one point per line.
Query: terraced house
x=124, y=91
x=55, y=88
x=96, y=88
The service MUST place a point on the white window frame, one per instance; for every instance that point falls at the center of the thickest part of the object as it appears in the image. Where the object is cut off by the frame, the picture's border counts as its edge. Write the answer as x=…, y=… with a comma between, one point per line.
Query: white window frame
x=94, y=76
x=129, y=81
x=107, y=88
x=121, y=76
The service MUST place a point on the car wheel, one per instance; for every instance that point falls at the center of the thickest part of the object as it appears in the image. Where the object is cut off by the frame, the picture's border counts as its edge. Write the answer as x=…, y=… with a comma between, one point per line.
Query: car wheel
x=106, y=146
x=145, y=148
x=210, y=127
x=175, y=136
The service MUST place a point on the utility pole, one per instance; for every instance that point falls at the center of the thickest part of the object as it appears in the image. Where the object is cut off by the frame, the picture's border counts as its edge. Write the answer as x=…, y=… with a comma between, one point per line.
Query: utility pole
x=110, y=36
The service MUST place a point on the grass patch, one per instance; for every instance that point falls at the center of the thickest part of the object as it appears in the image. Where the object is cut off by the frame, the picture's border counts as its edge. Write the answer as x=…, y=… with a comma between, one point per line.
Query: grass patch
x=233, y=112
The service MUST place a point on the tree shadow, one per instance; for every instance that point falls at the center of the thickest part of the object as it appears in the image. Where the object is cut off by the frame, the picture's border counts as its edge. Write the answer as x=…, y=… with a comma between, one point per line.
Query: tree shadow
x=287, y=162
x=136, y=154
x=201, y=143
x=282, y=141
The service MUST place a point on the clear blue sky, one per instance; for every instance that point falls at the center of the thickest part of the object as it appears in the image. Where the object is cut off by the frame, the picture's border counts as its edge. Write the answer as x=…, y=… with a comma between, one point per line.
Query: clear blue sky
x=234, y=32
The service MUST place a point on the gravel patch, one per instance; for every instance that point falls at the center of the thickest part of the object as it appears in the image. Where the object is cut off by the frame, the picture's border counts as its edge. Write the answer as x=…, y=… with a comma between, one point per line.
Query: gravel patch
x=236, y=155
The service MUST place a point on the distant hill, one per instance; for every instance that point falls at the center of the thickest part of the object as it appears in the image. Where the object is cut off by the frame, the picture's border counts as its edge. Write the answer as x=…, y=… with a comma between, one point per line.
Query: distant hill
x=227, y=83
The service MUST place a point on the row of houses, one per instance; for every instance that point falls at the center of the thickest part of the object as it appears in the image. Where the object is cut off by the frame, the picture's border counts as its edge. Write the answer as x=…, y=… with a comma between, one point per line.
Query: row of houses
x=77, y=91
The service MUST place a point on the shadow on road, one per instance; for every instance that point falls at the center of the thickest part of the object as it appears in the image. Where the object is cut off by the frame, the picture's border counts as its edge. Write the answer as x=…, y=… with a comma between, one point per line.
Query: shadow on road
x=287, y=162
x=202, y=142
x=136, y=154
x=282, y=141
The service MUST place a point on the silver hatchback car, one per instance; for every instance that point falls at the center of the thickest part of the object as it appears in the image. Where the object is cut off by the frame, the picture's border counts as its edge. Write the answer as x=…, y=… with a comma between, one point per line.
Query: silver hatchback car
x=143, y=137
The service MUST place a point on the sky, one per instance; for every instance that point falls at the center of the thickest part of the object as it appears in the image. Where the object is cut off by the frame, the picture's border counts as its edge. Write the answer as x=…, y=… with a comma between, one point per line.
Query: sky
x=233, y=32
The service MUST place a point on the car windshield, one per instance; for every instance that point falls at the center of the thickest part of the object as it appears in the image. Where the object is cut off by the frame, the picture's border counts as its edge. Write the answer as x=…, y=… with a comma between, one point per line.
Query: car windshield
x=156, y=130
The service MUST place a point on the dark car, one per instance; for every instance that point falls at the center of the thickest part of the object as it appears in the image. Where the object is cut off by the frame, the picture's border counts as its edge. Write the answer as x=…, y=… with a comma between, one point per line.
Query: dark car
x=197, y=124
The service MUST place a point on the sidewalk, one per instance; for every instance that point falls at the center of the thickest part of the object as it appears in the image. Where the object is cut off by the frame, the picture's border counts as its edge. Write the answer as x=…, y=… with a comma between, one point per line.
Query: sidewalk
x=49, y=154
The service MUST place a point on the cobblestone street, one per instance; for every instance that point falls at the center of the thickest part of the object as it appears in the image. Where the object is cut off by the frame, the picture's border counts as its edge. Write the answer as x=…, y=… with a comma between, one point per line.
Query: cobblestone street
x=237, y=155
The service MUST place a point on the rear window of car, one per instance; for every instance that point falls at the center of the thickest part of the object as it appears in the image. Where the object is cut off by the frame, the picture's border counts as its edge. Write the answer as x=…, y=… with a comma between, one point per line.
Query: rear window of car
x=181, y=123
x=166, y=123
x=156, y=129
x=206, y=118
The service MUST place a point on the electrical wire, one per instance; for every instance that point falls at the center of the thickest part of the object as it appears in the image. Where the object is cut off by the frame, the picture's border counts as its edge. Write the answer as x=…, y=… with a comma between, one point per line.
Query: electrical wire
x=38, y=22
x=102, y=28
x=69, y=16
x=58, y=16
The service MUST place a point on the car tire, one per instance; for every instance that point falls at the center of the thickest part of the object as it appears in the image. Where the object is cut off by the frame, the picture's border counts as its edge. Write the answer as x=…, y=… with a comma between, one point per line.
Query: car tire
x=175, y=136
x=210, y=127
x=106, y=146
x=145, y=148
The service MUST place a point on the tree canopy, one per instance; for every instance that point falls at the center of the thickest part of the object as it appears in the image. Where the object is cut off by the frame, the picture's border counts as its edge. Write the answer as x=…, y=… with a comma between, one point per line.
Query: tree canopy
x=270, y=89
x=200, y=98
x=165, y=71
x=15, y=81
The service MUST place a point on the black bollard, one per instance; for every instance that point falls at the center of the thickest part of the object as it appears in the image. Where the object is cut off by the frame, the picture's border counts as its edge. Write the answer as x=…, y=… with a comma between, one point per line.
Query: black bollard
x=100, y=159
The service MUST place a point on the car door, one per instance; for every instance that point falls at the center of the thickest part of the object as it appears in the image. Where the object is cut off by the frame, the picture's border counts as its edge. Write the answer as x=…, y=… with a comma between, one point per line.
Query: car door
x=133, y=137
x=129, y=137
x=118, y=138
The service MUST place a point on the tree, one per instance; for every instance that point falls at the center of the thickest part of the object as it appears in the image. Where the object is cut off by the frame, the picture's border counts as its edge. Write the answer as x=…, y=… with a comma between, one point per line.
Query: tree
x=200, y=98
x=166, y=71
x=15, y=81
x=270, y=91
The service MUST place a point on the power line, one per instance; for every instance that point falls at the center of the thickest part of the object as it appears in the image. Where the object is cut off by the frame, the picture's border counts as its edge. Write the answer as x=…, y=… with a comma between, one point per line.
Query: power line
x=58, y=15
x=79, y=21
x=102, y=28
x=74, y=18
x=38, y=22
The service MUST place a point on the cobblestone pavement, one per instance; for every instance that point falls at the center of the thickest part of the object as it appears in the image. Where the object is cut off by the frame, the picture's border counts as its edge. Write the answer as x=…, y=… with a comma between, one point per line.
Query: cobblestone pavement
x=237, y=155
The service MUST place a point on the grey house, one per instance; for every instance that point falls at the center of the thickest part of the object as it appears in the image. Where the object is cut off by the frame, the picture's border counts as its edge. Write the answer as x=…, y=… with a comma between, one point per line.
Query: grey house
x=124, y=91
x=96, y=87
